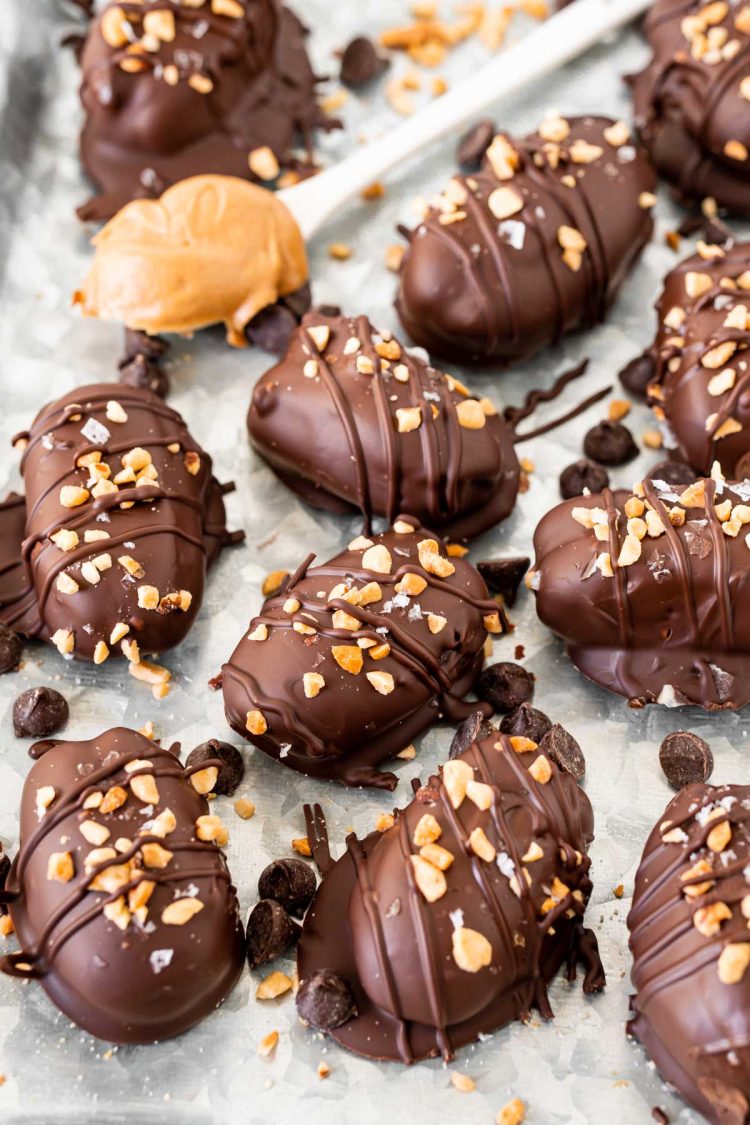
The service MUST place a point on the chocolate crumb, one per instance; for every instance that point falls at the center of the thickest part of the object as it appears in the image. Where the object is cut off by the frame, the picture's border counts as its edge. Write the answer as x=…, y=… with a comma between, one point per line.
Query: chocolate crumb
x=503, y=576
x=564, y=751
x=233, y=764
x=506, y=686
x=39, y=712
x=11, y=648
x=326, y=1001
x=610, y=443
x=289, y=882
x=270, y=932
x=582, y=475
x=685, y=759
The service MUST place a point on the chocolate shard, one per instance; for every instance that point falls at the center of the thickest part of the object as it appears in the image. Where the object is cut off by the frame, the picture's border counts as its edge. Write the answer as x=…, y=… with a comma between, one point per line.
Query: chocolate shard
x=123, y=516
x=152, y=935
x=450, y=924
x=351, y=419
x=701, y=374
x=647, y=590
x=689, y=940
x=355, y=658
x=533, y=246
x=688, y=100
x=174, y=92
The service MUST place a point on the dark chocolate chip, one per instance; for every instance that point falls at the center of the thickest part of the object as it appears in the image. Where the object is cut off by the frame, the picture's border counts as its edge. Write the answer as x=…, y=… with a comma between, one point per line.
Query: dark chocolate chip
x=270, y=931
x=473, y=145
x=503, y=576
x=11, y=648
x=326, y=1000
x=328, y=310
x=685, y=759
x=564, y=751
x=728, y=1102
x=140, y=343
x=271, y=330
x=473, y=729
x=360, y=62
x=637, y=374
x=233, y=764
x=581, y=475
x=659, y=1115
x=142, y=372
x=38, y=712
x=506, y=686
x=673, y=472
x=299, y=301
x=526, y=721
x=290, y=882
x=4, y=869
x=610, y=443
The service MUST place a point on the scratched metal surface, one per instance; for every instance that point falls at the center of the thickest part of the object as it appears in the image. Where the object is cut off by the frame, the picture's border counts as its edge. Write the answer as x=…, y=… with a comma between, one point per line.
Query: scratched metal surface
x=579, y=1068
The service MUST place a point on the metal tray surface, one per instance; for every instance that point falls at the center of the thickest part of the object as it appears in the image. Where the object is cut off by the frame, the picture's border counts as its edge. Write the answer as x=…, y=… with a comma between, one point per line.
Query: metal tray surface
x=579, y=1068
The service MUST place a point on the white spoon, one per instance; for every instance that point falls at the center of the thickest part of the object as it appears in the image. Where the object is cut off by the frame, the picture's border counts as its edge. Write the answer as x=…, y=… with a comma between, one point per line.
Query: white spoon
x=561, y=38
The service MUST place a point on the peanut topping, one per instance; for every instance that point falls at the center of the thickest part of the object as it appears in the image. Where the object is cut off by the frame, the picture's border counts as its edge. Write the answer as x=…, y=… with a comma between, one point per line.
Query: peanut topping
x=471, y=950
x=204, y=781
x=313, y=684
x=212, y=830
x=275, y=984
x=348, y=657
x=456, y=777
x=377, y=558
x=470, y=414
x=541, y=770
x=436, y=855
x=60, y=867
x=432, y=561
x=145, y=789
x=411, y=584
x=733, y=962
x=427, y=830
x=480, y=794
x=256, y=722
x=481, y=846
x=93, y=832
x=707, y=919
x=180, y=911
x=155, y=856
x=504, y=202
x=429, y=879
x=383, y=682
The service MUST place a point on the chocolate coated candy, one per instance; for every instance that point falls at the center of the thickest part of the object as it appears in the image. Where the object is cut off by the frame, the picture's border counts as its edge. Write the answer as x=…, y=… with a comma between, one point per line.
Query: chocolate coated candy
x=11, y=648
x=232, y=768
x=270, y=932
x=289, y=882
x=685, y=758
x=610, y=443
x=583, y=474
x=506, y=686
x=39, y=712
x=326, y=1001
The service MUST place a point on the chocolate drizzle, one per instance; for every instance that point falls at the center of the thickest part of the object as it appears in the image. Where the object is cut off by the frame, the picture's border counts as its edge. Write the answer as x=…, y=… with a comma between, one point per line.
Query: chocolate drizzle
x=203, y=101
x=334, y=437
x=118, y=969
x=172, y=497
x=475, y=290
x=669, y=625
x=688, y=909
x=429, y=646
x=688, y=105
x=371, y=923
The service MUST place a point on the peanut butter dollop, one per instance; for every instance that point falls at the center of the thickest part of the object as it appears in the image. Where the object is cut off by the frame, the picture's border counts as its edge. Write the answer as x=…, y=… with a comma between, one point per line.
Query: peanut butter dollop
x=211, y=249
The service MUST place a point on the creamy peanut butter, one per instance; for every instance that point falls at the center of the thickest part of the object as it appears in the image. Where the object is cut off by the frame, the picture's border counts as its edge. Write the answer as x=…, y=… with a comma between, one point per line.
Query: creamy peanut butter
x=211, y=249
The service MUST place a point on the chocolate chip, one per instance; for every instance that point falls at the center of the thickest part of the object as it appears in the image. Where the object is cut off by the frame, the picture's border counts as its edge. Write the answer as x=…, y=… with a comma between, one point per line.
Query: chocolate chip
x=290, y=882
x=270, y=931
x=503, y=576
x=299, y=301
x=11, y=648
x=360, y=62
x=140, y=343
x=610, y=443
x=659, y=1115
x=564, y=751
x=672, y=472
x=742, y=471
x=637, y=374
x=527, y=722
x=326, y=1000
x=473, y=729
x=272, y=328
x=685, y=759
x=328, y=310
x=142, y=372
x=472, y=146
x=506, y=686
x=38, y=712
x=4, y=869
x=581, y=475
x=233, y=764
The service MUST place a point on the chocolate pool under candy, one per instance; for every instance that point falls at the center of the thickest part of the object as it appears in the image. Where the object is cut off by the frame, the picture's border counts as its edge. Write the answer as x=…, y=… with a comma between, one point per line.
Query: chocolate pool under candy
x=358, y=656
x=451, y=923
x=701, y=360
x=351, y=419
x=649, y=590
x=692, y=101
x=691, y=949
x=172, y=91
x=534, y=245
x=123, y=517
x=120, y=895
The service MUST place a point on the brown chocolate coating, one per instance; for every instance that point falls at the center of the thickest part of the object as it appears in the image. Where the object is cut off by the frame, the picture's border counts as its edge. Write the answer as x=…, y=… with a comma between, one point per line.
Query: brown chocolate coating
x=159, y=110
x=362, y=423
x=524, y=894
x=664, y=618
x=122, y=961
x=486, y=277
x=689, y=939
x=344, y=668
x=688, y=102
x=701, y=372
x=164, y=517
